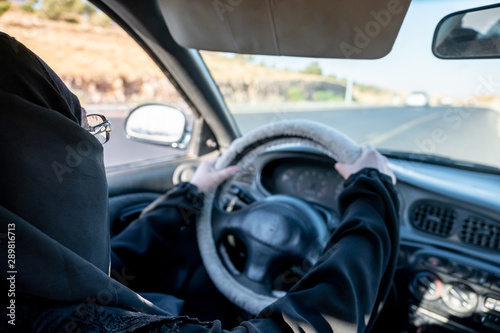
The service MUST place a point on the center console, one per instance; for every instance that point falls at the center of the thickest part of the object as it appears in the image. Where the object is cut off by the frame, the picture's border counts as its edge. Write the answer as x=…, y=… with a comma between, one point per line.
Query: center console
x=453, y=293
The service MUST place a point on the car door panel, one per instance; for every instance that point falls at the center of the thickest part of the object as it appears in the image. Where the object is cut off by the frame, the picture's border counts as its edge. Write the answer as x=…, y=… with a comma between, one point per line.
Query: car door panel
x=123, y=209
x=132, y=188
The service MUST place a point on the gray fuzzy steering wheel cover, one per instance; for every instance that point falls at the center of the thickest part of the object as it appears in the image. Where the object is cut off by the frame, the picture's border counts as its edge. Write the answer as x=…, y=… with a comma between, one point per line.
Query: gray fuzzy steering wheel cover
x=326, y=139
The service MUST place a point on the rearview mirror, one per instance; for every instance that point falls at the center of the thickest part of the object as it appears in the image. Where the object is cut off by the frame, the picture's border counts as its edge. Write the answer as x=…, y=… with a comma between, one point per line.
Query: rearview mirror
x=469, y=34
x=158, y=124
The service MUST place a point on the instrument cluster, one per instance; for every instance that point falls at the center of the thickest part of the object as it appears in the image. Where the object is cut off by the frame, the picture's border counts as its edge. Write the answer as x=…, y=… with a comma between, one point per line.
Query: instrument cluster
x=314, y=181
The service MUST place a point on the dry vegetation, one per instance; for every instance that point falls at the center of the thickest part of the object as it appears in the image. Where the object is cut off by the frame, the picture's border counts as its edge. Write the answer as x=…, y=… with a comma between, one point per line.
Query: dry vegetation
x=104, y=65
x=238, y=69
x=82, y=49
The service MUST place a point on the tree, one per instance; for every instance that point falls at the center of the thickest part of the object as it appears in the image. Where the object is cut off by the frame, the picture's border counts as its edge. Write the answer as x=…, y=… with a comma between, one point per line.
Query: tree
x=4, y=6
x=313, y=68
x=83, y=7
x=244, y=57
x=100, y=20
x=295, y=94
x=27, y=6
x=53, y=9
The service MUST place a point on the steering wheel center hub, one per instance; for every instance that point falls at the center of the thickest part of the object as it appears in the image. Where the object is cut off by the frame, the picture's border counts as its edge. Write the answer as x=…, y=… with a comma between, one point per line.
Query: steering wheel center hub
x=276, y=233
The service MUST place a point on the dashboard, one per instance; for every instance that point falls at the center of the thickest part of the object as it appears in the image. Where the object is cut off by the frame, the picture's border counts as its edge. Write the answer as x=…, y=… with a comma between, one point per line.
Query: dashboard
x=448, y=277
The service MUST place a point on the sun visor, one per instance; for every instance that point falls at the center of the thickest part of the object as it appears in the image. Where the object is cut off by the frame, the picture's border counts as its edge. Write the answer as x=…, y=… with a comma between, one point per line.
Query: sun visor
x=356, y=29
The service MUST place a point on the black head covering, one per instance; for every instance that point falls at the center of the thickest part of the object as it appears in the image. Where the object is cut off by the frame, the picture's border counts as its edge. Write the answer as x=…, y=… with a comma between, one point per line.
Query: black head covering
x=53, y=188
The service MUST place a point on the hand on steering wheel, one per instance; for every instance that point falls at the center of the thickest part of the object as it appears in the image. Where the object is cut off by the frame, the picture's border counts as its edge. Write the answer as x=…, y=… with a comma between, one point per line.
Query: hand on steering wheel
x=369, y=158
x=206, y=177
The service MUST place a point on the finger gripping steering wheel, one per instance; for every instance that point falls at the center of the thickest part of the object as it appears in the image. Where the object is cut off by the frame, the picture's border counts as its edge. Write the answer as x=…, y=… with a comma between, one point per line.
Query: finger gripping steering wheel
x=275, y=230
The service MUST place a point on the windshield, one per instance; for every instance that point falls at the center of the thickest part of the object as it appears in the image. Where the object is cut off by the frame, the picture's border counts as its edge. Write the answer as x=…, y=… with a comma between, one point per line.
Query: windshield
x=409, y=101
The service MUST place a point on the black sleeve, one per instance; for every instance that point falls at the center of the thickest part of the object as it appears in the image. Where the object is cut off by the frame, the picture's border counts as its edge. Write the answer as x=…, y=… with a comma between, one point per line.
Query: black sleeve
x=343, y=291
x=156, y=252
x=353, y=276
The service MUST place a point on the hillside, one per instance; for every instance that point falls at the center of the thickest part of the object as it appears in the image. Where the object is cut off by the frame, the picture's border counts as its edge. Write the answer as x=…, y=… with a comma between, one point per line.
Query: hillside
x=73, y=49
x=104, y=65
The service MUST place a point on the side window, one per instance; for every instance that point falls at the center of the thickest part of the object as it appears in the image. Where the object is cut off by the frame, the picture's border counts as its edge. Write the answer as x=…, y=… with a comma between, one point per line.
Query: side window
x=99, y=62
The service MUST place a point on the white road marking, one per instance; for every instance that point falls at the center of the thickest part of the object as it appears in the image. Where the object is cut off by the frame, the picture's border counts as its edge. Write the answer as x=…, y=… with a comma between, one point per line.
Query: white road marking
x=402, y=128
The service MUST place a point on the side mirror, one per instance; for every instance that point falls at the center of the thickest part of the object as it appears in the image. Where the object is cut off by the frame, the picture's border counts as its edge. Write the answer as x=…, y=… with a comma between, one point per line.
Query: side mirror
x=469, y=34
x=158, y=124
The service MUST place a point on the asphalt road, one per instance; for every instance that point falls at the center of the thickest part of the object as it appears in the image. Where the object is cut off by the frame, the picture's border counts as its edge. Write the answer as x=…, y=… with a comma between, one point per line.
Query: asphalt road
x=466, y=134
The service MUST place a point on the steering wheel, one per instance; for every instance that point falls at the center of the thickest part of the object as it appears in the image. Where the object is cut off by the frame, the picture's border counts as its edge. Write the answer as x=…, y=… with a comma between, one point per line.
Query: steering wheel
x=273, y=232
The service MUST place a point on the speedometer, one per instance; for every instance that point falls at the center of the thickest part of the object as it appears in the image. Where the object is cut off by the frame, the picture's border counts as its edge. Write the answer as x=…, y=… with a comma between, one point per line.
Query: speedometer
x=312, y=184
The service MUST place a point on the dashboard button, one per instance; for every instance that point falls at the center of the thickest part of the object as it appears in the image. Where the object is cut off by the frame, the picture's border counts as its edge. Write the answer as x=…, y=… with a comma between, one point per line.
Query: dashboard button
x=492, y=321
x=436, y=263
x=463, y=272
x=490, y=303
x=459, y=297
x=426, y=286
x=480, y=277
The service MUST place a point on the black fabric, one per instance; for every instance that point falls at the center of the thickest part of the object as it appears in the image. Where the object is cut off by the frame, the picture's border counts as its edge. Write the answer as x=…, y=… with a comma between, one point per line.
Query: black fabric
x=47, y=155
x=45, y=316
x=158, y=253
x=53, y=190
x=152, y=248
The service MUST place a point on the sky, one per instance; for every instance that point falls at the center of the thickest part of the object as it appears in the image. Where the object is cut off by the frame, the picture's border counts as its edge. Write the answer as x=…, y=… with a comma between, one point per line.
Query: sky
x=411, y=66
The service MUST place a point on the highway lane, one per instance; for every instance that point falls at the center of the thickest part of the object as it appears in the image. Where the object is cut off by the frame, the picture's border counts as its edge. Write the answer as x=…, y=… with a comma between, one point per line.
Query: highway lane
x=465, y=134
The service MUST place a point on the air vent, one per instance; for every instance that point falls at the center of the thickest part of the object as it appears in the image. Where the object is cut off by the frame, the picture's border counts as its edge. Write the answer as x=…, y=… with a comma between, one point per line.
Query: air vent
x=433, y=219
x=481, y=232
